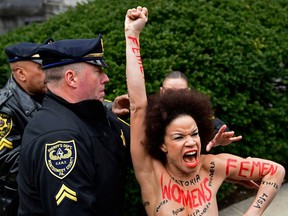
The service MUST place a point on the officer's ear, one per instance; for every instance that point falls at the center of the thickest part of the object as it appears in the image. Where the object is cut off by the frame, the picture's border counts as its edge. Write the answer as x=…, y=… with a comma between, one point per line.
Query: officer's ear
x=19, y=73
x=71, y=77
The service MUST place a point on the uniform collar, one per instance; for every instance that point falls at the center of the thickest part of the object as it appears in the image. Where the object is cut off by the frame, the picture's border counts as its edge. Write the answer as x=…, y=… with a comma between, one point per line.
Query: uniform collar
x=27, y=103
x=87, y=109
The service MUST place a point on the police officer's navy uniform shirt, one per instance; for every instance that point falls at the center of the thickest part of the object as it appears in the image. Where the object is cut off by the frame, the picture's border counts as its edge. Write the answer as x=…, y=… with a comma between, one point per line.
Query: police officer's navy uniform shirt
x=72, y=160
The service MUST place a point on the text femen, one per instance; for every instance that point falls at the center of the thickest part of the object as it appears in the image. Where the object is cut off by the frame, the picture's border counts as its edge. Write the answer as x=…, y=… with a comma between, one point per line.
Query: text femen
x=247, y=168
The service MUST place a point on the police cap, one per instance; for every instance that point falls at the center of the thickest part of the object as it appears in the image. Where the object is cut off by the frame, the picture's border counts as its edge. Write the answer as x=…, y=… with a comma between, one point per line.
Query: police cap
x=69, y=51
x=23, y=52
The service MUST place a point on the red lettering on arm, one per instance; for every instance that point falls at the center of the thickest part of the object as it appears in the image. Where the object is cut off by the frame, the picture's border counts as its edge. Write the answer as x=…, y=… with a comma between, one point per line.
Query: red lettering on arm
x=136, y=51
x=268, y=168
x=242, y=168
x=255, y=164
x=228, y=165
x=264, y=168
x=141, y=69
x=134, y=40
x=273, y=169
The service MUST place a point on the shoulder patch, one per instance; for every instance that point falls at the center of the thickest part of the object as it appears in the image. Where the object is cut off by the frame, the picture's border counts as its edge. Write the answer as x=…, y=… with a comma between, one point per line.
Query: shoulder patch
x=60, y=157
x=5, y=128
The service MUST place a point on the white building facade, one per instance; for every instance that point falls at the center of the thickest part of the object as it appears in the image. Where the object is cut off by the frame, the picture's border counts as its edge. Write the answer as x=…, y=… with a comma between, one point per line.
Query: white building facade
x=16, y=13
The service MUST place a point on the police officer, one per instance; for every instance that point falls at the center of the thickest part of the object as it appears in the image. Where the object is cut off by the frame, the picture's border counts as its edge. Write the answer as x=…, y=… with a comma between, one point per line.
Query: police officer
x=74, y=151
x=20, y=99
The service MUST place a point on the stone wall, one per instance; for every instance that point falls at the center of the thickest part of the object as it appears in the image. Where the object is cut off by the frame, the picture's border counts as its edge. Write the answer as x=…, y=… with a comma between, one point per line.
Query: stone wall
x=16, y=13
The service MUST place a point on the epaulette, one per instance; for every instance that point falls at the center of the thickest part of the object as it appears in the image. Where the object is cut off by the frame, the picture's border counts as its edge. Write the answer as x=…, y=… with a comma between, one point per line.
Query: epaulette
x=4, y=96
x=108, y=104
x=125, y=122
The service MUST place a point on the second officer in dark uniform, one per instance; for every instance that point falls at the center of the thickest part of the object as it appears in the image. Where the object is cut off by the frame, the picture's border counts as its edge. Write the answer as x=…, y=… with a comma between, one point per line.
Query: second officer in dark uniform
x=74, y=151
x=20, y=99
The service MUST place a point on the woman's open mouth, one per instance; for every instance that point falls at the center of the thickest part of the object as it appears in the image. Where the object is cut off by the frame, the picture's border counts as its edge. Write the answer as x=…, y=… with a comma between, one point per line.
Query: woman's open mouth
x=191, y=159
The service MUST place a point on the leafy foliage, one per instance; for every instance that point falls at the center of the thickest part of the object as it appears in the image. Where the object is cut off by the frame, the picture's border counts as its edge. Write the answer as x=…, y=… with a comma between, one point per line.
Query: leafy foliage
x=234, y=51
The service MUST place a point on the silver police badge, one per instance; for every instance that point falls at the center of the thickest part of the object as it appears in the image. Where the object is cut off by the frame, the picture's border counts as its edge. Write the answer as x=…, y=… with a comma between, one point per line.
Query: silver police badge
x=60, y=157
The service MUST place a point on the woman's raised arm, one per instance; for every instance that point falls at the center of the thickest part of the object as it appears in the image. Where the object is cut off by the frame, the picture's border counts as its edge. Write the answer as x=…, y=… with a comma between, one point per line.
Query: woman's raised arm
x=135, y=21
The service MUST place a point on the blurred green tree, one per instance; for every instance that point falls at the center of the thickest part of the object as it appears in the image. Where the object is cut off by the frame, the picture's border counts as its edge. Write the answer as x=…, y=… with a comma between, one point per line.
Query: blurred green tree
x=234, y=51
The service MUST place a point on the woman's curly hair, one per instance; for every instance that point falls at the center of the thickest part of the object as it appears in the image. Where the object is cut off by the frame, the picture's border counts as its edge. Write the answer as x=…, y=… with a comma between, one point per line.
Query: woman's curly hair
x=164, y=107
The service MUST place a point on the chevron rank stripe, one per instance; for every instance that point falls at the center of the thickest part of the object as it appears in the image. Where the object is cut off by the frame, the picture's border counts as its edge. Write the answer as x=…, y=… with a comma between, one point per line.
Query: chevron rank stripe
x=65, y=192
